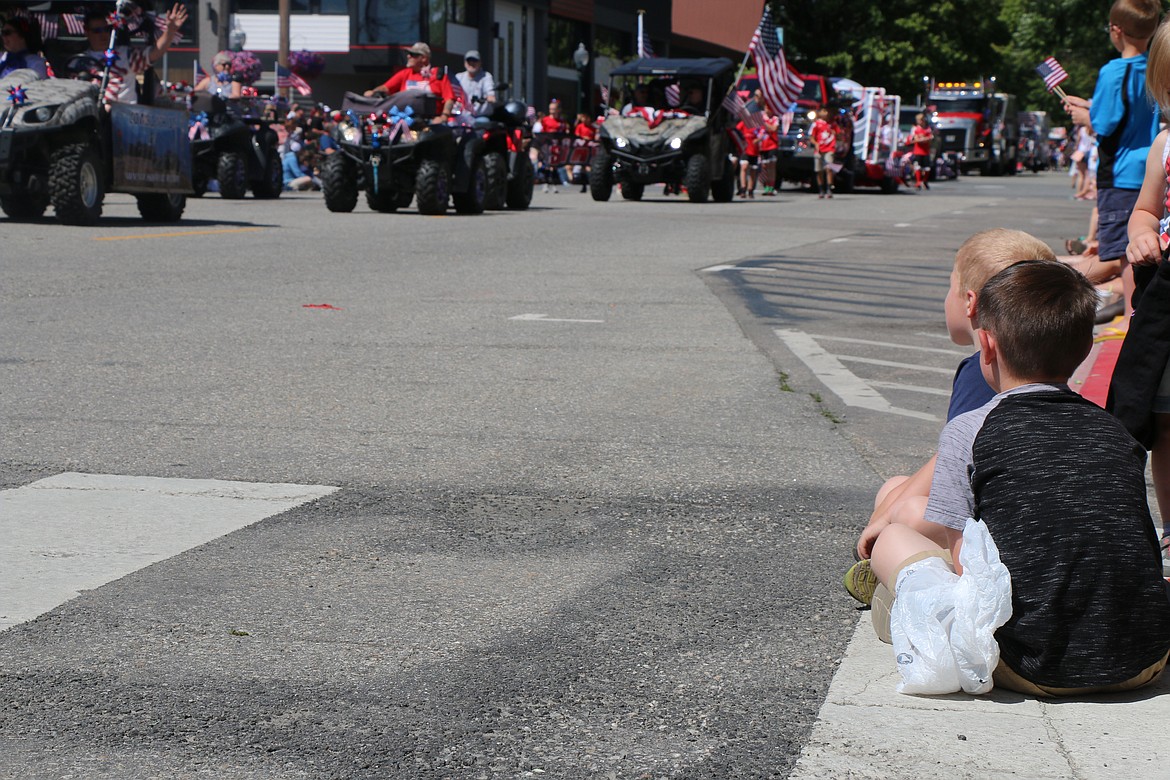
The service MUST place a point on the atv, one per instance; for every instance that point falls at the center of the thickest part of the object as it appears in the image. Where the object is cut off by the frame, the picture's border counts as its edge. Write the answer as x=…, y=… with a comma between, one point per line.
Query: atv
x=239, y=150
x=388, y=148
x=660, y=135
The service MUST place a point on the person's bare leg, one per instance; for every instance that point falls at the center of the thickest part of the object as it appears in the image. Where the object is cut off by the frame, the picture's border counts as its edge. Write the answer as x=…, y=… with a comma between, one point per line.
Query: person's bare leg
x=897, y=543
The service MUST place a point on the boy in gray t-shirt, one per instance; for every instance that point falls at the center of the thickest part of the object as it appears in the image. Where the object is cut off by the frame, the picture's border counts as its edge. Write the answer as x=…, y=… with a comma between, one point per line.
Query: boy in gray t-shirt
x=1060, y=486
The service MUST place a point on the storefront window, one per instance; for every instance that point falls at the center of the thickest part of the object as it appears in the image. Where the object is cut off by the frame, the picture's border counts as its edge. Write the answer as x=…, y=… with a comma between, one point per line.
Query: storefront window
x=389, y=21
x=563, y=37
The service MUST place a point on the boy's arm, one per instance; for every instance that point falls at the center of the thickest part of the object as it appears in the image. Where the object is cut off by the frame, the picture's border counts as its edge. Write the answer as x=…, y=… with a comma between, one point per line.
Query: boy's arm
x=918, y=484
x=1145, y=243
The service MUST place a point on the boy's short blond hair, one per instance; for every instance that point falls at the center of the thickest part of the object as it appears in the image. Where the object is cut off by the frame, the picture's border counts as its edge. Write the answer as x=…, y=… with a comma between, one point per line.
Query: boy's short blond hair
x=986, y=253
x=1136, y=18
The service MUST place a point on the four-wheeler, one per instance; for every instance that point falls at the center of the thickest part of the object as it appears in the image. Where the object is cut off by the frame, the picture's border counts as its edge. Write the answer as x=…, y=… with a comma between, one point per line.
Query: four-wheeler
x=390, y=149
x=240, y=148
x=658, y=137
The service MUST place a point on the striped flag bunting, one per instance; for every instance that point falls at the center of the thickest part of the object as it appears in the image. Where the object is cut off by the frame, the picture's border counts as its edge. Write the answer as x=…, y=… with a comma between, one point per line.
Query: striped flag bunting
x=781, y=84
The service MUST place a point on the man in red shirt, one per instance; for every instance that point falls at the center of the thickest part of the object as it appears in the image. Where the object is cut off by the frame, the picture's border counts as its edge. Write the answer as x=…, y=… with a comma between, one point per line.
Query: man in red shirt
x=824, y=136
x=418, y=74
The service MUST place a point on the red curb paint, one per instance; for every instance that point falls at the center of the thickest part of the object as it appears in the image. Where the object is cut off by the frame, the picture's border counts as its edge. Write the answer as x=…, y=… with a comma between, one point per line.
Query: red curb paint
x=1096, y=385
x=320, y=306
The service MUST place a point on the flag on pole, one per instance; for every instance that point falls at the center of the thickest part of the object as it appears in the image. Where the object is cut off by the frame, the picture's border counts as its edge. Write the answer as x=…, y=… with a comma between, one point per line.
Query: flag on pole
x=1051, y=71
x=460, y=95
x=200, y=73
x=734, y=103
x=647, y=50
x=286, y=79
x=780, y=83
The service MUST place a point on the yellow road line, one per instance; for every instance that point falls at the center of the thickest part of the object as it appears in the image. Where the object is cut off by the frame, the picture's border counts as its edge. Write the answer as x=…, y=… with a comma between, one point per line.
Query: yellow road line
x=177, y=235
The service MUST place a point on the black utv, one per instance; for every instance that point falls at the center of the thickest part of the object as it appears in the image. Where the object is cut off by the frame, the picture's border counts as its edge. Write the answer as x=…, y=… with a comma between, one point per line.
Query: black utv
x=666, y=124
x=389, y=148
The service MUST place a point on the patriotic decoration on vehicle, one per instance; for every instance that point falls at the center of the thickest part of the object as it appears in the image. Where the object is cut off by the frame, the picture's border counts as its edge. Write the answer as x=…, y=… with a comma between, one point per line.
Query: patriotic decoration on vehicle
x=1053, y=74
x=17, y=95
x=780, y=83
x=286, y=79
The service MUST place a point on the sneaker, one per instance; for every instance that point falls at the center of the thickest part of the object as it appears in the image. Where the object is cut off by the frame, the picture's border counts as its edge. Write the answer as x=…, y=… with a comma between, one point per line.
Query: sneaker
x=545, y=188
x=925, y=184
x=861, y=582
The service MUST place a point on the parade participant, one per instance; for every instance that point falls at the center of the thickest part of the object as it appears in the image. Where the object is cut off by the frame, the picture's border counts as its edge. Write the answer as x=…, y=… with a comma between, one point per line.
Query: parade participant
x=824, y=136
x=1125, y=124
x=769, y=151
x=749, y=163
x=1089, y=610
x=22, y=40
x=478, y=86
x=418, y=75
x=129, y=61
x=639, y=105
x=694, y=101
x=920, y=140
x=221, y=79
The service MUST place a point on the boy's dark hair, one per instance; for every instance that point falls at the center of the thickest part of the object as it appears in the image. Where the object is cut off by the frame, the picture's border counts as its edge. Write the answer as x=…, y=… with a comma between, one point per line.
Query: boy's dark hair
x=1136, y=18
x=1042, y=316
x=97, y=15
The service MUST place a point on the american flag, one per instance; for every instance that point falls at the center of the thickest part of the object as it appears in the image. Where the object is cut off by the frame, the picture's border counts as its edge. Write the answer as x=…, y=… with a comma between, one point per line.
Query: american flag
x=74, y=23
x=48, y=23
x=1051, y=71
x=200, y=73
x=673, y=95
x=780, y=83
x=460, y=95
x=286, y=79
x=646, y=47
x=604, y=94
x=734, y=103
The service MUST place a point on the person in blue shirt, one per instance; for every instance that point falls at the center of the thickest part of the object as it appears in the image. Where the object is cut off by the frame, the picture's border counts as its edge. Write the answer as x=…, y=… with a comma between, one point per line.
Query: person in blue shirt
x=1125, y=121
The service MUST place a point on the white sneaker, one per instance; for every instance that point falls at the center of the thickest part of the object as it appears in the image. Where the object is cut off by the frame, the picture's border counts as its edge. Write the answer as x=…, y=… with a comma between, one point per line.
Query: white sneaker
x=545, y=188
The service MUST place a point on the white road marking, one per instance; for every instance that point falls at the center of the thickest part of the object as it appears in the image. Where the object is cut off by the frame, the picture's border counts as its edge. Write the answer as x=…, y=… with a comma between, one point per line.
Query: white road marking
x=901, y=224
x=837, y=240
x=714, y=269
x=546, y=318
x=850, y=388
x=909, y=388
x=895, y=364
x=850, y=340
x=74, y=532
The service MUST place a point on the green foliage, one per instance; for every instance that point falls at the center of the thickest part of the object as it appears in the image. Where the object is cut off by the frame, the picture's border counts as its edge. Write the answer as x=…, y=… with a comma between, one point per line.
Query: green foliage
x=895, y=43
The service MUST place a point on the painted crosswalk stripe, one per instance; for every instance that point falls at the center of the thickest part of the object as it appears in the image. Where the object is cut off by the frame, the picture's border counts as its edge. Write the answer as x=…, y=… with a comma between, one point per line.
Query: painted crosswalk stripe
x=892, y=345
x=73, y=532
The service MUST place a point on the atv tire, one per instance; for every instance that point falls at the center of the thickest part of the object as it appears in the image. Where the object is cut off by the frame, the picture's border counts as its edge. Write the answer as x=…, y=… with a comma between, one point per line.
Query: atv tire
x=697, y=178
x=271, y=183
x=383, y=201
x=473, y=201
x=632, y=191
x=339, y=183
x=431, y=187
x=600, y=176
x=232, y=172
x=76, y=186
x=723, y=190
x=495, y=169
x=520, y=185
x=24, y=205
x=161, y=207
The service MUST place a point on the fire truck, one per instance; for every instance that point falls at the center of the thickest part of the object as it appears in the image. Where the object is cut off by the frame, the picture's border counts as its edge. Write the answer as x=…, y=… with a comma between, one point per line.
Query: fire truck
x=977, y=126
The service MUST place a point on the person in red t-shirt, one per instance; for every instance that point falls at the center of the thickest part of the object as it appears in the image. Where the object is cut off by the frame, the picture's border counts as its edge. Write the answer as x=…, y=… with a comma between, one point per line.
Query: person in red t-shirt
x=769, y=150
x=824, y=136
x=418, y=74
x=749, y=163
x=921, y=137
x=586, y=132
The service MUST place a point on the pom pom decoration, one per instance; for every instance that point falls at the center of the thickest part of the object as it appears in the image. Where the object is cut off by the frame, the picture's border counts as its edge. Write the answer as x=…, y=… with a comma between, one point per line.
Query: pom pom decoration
x=17, y=96
x=306, y=64
x=402, y=115
x=111, y=58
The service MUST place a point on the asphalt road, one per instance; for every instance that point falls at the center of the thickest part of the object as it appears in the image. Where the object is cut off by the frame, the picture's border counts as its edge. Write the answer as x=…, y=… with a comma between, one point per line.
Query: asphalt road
x=599, y=473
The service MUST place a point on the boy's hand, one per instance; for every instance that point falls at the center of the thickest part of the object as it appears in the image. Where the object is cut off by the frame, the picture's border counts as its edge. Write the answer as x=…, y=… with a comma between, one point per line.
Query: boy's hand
x=869, y=535
x=1145, y=248
x=1078, y=109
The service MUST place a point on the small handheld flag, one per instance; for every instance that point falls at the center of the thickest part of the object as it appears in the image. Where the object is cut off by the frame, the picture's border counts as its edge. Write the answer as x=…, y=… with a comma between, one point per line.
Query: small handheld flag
x=285, y=79
x=1053, y=73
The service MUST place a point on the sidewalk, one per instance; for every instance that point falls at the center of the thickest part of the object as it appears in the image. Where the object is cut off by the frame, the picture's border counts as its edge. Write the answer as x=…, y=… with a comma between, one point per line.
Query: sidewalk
x=865, y=729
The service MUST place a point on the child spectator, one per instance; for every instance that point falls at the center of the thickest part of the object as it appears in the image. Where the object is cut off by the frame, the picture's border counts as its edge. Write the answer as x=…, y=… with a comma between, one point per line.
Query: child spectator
x=902, y=499
x=749, y=163
x=1089, y=605
x=1125, y=123
x=769, y=151
x=1148, y=228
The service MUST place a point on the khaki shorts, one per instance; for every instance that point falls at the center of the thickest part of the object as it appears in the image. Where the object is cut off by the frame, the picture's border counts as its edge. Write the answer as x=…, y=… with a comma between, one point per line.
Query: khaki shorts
x=821, y=160
x=1003, y=676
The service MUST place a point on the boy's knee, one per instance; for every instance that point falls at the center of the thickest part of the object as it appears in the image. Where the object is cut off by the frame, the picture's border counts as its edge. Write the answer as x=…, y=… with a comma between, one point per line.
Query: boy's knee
x=884, y=490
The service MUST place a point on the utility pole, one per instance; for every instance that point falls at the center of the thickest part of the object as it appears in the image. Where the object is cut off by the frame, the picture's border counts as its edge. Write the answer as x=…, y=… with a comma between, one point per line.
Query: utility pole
x=282, y=55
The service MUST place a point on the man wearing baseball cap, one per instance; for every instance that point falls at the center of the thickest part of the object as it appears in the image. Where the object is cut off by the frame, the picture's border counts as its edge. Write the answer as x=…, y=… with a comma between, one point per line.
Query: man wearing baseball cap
x=478, y=85
x=418, y=74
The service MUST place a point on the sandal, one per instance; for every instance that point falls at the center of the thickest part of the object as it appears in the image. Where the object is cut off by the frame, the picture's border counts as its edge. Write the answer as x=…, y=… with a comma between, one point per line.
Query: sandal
x=1075, y=246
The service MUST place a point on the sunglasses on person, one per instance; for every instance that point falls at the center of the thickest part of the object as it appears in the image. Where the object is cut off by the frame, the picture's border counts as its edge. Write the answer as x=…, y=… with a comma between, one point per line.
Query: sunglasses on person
x=414, y=54
x=472, y=61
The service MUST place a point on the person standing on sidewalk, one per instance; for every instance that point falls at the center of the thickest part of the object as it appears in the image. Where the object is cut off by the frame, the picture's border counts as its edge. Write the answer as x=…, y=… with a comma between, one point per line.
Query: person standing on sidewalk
x=1125, y=122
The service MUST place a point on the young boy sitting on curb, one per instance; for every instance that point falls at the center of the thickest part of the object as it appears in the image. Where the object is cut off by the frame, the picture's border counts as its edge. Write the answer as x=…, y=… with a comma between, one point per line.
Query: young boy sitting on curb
x=903, y=499
x=1089, y=606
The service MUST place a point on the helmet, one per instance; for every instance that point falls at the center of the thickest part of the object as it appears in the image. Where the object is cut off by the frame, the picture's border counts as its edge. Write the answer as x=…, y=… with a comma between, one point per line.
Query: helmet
x=517, y=109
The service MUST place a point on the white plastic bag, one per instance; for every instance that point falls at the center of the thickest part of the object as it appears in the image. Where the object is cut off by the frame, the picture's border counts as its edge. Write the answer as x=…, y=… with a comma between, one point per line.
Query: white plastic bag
x=943, y=625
